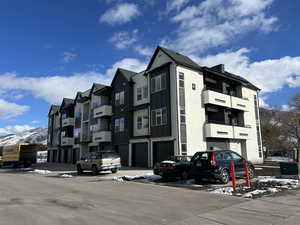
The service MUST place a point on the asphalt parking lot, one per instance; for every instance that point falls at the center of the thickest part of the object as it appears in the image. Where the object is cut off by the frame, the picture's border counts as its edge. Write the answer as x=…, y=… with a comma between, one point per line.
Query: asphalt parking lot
x=29, y=198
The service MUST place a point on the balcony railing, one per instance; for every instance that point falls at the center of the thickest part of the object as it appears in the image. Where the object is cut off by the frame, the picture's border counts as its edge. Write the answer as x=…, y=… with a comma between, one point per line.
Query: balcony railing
x=225, y=100
x=65, y=141
x=68, y=122
x=229, y=130
x=104, y=110
x=102, y=136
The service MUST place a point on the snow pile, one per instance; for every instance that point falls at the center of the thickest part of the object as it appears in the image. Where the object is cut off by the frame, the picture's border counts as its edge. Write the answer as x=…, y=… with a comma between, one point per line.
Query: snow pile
x=223, y=191
x=43, y=172
x=66, y=176
x=260, y=186
x=148, y=177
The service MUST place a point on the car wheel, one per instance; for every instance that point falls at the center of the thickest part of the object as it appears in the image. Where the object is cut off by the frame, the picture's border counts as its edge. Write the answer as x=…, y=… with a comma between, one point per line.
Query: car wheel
x=251, y=172
x=224, y=177
x=184, y=175
x=79, y=170
x=114, y=170
x=94, y=170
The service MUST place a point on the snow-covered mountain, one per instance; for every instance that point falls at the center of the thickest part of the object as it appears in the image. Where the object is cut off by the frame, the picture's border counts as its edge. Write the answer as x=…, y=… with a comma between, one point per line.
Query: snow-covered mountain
x=36, y=135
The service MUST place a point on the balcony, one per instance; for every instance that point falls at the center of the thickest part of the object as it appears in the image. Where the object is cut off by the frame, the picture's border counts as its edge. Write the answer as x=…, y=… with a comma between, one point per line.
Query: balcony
x=240, y=103
x=241, y=132
x=104, y=110
x=65, y=141
x=216, y=98
x=68, y=122
x=102, y=136
x=218, y=131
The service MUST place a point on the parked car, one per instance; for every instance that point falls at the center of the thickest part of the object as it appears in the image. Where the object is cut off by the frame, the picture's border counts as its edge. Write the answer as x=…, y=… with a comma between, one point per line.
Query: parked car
x=176, y=166
x=99, y=161
x=216, y=164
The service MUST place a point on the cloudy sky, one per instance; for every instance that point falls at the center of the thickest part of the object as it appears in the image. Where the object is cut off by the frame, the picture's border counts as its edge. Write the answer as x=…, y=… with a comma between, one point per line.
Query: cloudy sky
x=51, y=49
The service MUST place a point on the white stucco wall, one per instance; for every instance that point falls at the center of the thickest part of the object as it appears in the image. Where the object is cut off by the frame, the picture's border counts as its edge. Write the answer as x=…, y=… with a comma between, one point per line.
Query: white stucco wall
x=249, y=118
x=139, y=82
x=194, y=109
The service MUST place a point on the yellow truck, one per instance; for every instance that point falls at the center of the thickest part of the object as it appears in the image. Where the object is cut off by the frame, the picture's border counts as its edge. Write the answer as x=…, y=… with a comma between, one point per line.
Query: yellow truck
x=20, y=154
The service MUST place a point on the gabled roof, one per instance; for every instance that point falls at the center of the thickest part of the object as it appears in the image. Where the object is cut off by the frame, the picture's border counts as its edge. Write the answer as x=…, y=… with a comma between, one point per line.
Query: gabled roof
x=78, y=95
x=86, y=93
x=53, y=109
x=176, y=57
x=66, y=102
x=126, y=73
x=97, y=87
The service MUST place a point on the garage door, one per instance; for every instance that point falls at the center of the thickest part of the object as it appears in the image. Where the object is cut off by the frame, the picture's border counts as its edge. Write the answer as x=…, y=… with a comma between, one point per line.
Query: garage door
x=123, y=150
x=140, y=154
x=162, y=150
x=217, y=144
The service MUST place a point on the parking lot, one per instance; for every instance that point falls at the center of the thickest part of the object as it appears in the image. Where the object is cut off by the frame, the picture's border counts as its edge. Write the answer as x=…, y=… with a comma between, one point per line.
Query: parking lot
x=29, y=198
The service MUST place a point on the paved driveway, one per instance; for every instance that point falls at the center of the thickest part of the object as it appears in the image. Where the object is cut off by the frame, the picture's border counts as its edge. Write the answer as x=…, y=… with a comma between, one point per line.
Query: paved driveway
x=28, y=199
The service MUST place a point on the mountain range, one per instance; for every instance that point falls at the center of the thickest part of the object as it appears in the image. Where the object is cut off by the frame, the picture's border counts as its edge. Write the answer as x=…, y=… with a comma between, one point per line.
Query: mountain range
x=36, y=135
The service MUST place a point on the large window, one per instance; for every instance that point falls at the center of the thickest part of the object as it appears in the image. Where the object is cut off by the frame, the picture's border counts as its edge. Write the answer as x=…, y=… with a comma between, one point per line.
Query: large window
x=181, y=79
x=119, y=125
x=159, y=117
x=119, y=98
x=182, y=114
x=158, y=83
x=139, y=94
x=139, y=121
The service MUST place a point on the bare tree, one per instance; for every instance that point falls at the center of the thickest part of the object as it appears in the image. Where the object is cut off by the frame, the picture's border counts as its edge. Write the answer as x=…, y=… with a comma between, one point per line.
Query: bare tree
x=294, y=102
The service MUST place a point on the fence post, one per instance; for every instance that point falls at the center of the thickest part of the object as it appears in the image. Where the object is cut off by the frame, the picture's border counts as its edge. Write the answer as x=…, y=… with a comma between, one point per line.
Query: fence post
x=233, y=175
x=247, y=174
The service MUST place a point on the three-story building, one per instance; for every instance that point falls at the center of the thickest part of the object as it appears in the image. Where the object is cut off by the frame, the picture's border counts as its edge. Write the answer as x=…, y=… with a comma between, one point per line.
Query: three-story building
x=174, y=107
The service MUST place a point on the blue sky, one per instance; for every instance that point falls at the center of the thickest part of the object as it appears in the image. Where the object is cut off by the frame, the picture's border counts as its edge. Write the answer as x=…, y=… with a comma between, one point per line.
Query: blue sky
x=51, y=49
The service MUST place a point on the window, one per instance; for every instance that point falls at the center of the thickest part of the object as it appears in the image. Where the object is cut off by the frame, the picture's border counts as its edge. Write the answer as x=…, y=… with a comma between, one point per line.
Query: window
x=183, y=149
x=122, y=124
x=139, y=94
x=193, y=86
x=122, y=98
x=181, y=79
x=146, y=121
x=235, y=156
x=117, y=125
x=159, y=117
x=139, y=122
x=158, y=83
x=182, y=114
x=117, y=98
x=145, y=91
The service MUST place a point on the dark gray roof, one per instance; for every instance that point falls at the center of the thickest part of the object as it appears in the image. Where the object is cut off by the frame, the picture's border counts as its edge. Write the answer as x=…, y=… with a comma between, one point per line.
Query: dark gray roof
x=127, y=73
x=68, y=101
x=54, y=109
x=176, y=57
x=86, y=93
x=97, y=87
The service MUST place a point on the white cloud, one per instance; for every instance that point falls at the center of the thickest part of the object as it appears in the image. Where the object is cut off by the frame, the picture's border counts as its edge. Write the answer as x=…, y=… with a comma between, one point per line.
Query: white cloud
x=69, y=56
x=15, y=129
x=124, y=39
x=120, y=14
x=53, y=88
x=214, y=23
x=129, y=64
x=9, y=110
x=144, y=51
x=286, y=108
x=34, y=122
x=270, y=75
x=176, y=4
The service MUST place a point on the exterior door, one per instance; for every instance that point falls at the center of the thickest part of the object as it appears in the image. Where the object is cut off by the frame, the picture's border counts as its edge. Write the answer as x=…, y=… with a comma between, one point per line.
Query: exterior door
x=162, y=150
x=140, y=155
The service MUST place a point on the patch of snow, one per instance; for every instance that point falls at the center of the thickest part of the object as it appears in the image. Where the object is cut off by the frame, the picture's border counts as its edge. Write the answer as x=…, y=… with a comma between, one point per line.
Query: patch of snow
x=44, y=172
x=223, y=191
x=255, y=192
x=278, y=159
x=282, y=182
x=148, y=176
x=66, y=176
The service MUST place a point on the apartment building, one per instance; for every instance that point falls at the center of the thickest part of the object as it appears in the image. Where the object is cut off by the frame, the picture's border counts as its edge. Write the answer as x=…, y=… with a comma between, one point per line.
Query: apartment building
x=174, y=107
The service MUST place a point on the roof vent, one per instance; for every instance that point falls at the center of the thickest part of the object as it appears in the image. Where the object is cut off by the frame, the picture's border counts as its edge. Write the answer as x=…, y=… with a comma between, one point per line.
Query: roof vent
x=219, y=68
